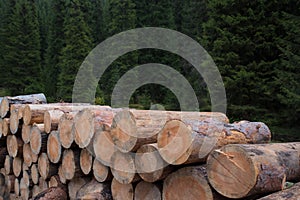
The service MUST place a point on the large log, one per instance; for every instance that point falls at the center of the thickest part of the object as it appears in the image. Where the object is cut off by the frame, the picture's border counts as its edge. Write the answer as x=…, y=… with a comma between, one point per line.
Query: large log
x=56, y=193
x=65, y=129
x=257, y=169
x=71, y=164
x=23, y=99
x=38, y=139
x=101, y=172
x=292, y=193
x=54, y=147
x=147, y=191
x=46, y=168
x=123, y=168
x=86, y=161
x=87, y=121
x=14, y=146
x=74, y=185
x=103, y=145
x=191, y=141
x=132, y=128
x=150, y=165
x=94, y=190
x=187, y=183
x=121, y=191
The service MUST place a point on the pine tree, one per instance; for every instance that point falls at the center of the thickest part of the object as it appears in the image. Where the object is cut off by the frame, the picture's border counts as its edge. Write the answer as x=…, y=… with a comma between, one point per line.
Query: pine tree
x=22, y=56
x=78, y=43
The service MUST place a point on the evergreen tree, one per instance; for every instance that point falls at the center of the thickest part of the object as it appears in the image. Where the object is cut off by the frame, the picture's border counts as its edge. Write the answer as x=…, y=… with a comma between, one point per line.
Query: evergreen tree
x=22, y=46
x=78, y=43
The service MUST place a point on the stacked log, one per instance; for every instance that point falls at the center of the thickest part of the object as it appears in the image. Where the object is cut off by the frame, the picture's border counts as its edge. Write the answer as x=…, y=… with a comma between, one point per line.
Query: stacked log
x=82, y=151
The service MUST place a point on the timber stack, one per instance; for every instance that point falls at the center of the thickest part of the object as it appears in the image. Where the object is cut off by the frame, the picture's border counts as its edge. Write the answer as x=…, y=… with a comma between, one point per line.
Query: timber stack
x=83, y=151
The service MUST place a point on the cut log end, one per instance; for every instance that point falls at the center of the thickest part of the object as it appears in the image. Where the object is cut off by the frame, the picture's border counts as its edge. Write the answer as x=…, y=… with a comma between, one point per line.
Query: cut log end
x=4, y=107
x=121, y=191
x=100, y=171
x=71, y=164
x=51, y=119
x=27, y=154
x=14, y=122
x=35, y=174
x=26, y=133
x=38, y=139
x=147, y=191
x=54, y=147
x=83, y=128
x=86, y=161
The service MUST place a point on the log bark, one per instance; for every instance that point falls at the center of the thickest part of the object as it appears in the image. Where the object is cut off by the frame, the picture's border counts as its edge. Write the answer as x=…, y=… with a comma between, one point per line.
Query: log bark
x=101, y=172
x=38, y=139
x=27, y=154
x=187, y=183
x=65, y=129
x=87, y=121
x=190, y=141
x=103, y=145
x=147, y=191
x=14, y=146
x=292, y=193
x=121, y=191
x=23, y=99
x=150, y=165
x=46, y=168
x=54, y=147
x=51, y=119
x=74, y=185
x=56, y=193
x=8, y=163
x=86, y=161
x=123, y=168
x=133, y=128
x=94, y=190
x=26, y=133
x=71, y=164
x=17, y=166
x=35, y=174
x=257, y=169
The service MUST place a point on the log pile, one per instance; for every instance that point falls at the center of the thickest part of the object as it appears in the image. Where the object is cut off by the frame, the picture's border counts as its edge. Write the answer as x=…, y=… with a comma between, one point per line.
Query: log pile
x=82, y=151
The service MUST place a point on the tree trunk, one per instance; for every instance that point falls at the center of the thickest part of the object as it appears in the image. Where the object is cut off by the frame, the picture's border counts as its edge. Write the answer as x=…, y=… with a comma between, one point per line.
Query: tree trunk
x=121, y=191
x=187, y=183
x=24, y=99
x=71, y=164
x=257, y=169
x=38, y=139
x=147, y=191
x=150, y=165
x=46, y=169
x=74, y=185
x=54, y=147
x=14, y=146
x=191, y=141
x=123, y=168
x=56, y=193
x=101, y=172
x=94, y=190
x=86, y=161
x=87, y=121
x=103, y=145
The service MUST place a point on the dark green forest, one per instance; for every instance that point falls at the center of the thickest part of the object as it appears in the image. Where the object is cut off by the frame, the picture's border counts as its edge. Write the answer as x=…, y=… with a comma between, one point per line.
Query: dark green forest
x=255, y=44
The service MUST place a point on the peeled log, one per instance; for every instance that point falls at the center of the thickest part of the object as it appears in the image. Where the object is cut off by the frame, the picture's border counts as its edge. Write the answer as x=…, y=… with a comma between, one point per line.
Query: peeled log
x=101, y=172
x=191, y=141
x=292, y=193
x=150, y=165
x=71, y=164
x=257, y=169
x=54, y=147
x=38, y=139
x=94, y=190
x=86, y=161
x=103, y=145
x=23, y=99
x=123, y=168
x=187, y=183
x=121, y=191
x=56, y=193
x=14, y=146
x=147, y=191
x=87, y=121
x=46, y=169
x=132, y=128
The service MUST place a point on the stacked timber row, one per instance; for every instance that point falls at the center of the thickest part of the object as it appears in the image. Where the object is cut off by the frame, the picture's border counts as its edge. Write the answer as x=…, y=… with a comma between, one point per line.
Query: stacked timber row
x=82, y=151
